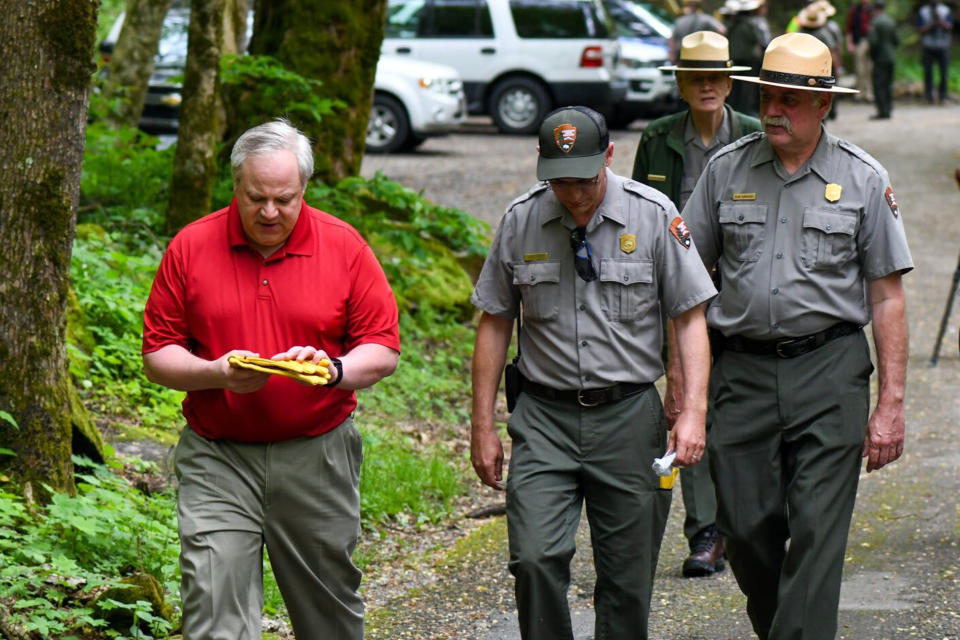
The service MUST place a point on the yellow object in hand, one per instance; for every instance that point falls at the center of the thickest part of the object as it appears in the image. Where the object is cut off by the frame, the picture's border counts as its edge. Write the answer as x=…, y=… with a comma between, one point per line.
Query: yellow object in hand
x=311, y=373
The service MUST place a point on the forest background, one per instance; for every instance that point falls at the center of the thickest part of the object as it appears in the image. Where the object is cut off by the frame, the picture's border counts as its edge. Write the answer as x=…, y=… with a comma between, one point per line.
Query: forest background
x=88, y=545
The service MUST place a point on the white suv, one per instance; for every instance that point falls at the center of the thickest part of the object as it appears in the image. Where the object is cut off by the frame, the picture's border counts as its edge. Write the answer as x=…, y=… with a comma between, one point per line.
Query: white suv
x=518, y=58
x=412, y=100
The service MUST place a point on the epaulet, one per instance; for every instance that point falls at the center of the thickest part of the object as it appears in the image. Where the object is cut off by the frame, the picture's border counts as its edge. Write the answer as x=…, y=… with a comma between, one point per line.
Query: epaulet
x=750, y=138
x=647, y=193
x=534, y=190
x=861, y=155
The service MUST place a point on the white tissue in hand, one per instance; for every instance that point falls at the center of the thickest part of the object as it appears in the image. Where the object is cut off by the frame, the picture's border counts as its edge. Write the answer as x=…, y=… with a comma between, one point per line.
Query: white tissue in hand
x=663, y=466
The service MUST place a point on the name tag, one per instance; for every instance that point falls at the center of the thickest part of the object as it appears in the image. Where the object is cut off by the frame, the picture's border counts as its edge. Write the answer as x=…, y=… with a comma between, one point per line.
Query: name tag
x=744, y=196
x=654, y=177
x=533, y=257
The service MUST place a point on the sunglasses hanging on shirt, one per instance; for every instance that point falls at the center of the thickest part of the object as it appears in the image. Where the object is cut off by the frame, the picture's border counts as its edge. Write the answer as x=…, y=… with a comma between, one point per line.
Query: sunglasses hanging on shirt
x=582, y=256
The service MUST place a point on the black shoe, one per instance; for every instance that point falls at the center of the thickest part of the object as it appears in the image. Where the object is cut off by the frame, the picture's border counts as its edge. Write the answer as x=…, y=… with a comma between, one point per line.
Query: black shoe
x=877, y=116
x=706, y=554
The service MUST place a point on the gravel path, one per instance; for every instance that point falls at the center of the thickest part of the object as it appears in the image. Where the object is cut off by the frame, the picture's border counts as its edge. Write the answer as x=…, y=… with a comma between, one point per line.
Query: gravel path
x=902, y=578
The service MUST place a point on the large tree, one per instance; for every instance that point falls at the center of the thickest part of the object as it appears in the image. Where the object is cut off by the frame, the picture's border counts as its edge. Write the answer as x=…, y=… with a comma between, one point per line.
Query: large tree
x=336, y=42
x=194, y=166
x=47, y=51
x=132, y=59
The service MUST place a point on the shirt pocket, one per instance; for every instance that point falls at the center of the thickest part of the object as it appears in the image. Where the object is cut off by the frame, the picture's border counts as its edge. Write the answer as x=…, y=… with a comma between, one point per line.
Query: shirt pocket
x=539, y=284
x=828, y=237
x=743, y=226
x=626, y=288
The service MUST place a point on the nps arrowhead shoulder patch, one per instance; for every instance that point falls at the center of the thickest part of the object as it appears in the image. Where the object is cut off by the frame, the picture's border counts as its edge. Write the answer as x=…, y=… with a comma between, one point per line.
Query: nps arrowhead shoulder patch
x=679, y=230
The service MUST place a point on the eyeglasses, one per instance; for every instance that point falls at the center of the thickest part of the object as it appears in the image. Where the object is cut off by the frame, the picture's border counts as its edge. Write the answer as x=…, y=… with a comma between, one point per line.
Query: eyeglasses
x=575, y=183
x=582, y=256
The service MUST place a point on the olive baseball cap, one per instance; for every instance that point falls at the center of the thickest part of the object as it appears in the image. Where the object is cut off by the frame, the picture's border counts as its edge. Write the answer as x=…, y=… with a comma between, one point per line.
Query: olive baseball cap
x=573, y=144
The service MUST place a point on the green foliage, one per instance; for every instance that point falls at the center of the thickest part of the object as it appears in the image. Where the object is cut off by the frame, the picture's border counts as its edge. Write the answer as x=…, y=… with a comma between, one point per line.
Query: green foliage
x=910, y=70
x=255, y=85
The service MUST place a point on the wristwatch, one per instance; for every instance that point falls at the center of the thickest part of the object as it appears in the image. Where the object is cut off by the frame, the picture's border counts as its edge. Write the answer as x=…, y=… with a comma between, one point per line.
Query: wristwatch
x=339, y=367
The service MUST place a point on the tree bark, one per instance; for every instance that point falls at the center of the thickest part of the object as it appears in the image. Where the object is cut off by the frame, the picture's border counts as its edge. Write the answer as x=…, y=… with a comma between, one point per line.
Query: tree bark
x=336, y=42
x=132, y=60
x=47, y=51
x=194, y=165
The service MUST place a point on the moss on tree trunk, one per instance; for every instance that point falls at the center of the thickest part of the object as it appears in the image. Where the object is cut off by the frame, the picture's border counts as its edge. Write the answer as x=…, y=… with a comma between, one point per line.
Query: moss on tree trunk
x=336, y=42
x=47, y=52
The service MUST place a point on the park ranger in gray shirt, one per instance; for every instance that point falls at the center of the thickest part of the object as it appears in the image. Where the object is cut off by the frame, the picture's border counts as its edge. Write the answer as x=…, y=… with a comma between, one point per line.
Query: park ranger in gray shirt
x=588, y=257
x=808, y=238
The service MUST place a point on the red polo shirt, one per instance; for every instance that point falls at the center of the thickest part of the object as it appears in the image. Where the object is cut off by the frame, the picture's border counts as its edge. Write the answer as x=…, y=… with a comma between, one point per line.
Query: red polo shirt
x=214, y=293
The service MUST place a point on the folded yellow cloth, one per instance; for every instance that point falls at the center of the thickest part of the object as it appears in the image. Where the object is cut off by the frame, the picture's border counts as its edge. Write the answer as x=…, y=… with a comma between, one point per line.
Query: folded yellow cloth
x=315, y=374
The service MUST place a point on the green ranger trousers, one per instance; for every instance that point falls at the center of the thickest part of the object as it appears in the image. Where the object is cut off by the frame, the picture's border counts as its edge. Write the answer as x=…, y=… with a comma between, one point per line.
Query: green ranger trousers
x=883, y=87
x=300, y=498
x=785, y=450
x=564, y=455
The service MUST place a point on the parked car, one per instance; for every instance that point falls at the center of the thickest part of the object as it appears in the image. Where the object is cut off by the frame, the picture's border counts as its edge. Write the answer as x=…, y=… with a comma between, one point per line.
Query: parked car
x=412, y=99
x=644, y=46
x=519, y=59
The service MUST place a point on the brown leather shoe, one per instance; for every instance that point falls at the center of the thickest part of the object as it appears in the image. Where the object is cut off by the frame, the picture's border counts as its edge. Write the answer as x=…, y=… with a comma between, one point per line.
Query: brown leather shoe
x=706, y=554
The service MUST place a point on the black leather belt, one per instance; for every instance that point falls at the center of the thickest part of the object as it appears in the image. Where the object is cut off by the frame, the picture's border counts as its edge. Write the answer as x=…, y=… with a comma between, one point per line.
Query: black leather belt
x=789, y=347
x=584, y=397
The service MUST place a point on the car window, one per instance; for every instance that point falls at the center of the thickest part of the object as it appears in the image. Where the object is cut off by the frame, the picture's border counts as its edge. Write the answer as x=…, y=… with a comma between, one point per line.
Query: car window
x=557, y=19
x=403, y=17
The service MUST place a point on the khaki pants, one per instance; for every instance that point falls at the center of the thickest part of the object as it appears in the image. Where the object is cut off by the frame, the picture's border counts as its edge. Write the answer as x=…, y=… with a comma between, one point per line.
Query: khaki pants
x=563, y=455
x=863, y=67
x=785, y=446
x=299, y=498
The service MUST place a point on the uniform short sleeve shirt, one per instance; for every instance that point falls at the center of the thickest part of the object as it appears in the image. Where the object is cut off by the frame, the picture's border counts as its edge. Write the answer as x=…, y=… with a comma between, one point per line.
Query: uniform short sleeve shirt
x=579, y=334
x=696, y=154
x=214, y=293
x=795, y=253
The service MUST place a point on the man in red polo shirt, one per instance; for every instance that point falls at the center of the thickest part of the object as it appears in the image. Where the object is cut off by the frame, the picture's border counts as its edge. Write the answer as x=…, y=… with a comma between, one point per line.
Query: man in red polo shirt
x=264, y=459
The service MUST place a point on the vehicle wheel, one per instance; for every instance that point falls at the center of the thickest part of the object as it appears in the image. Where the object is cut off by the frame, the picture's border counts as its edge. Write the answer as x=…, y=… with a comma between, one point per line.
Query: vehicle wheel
x=389, y=127
x=518, y=105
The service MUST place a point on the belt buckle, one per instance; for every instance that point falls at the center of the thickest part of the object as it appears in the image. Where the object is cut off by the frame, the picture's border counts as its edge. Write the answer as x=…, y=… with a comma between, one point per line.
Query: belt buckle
x=783, y=343
x=581, y=401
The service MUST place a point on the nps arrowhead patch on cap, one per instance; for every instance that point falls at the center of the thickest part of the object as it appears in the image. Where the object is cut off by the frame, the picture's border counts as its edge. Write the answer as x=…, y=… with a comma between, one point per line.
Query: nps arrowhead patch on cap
x=565, y=135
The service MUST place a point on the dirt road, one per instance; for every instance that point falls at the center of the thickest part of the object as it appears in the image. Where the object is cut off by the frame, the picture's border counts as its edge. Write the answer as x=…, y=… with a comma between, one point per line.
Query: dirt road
x=902, y=577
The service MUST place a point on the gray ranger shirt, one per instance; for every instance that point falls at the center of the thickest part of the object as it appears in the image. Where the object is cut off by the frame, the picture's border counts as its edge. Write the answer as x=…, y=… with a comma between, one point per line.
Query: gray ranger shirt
x=795, y=253
x=587, y=335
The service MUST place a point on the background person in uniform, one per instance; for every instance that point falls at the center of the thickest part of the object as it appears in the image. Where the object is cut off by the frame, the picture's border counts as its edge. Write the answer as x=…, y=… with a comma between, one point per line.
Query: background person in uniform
x=747, y=41
x=265, y=460
x=814, y=19
x=806, y=233
x=693, y=19
x=883, y=41
x=670, y=158
x=588, y=258
x=935, y=25
x=857, y=28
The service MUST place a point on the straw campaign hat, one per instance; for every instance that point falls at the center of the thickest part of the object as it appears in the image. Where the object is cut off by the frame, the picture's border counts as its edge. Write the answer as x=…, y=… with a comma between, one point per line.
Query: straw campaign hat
x=750, y=5
x=704, y=51
x=812, y=16
x=797, y=61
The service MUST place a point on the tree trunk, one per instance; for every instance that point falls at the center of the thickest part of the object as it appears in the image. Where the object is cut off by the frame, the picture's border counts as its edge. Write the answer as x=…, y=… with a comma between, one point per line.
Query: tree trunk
x=194, y=165
x=336, y=42
x=47, y=51
x=132, y=60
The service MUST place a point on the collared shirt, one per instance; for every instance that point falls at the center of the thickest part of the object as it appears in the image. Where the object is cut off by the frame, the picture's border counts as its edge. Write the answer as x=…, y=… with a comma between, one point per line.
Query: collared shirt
x=579, y=334
x=214, y=293
x=696, y=154
x=795, y=252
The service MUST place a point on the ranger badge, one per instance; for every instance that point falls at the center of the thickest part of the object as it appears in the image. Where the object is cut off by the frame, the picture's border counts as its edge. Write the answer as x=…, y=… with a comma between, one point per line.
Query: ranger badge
x=628, y=242
x=832, y=192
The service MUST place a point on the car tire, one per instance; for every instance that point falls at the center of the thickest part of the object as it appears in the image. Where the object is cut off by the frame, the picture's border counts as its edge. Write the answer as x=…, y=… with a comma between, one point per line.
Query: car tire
x=389, y=127
x=518, y=105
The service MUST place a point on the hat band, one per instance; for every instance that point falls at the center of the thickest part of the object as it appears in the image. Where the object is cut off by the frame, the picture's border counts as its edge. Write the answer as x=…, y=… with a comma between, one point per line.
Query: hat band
x=800, y=80
x=705, y=64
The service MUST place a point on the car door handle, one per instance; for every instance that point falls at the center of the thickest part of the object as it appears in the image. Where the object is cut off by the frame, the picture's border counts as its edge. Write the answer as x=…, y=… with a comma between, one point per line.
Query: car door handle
x=403, y=49
x=488, y=51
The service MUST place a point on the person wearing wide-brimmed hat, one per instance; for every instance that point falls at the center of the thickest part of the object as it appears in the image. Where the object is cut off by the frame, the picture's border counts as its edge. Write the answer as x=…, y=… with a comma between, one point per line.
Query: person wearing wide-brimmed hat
x=590, y=258
x=808, y=238
x=671, y=155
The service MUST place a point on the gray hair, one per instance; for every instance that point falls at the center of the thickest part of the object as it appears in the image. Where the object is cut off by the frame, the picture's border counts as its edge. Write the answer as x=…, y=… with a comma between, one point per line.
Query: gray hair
x=278, y=135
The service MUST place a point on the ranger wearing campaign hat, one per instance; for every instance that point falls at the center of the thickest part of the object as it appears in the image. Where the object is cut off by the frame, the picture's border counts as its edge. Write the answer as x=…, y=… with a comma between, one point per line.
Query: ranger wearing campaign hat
x=587, y=259
x=797, y=61
x=670, y=158
x=808, y=240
